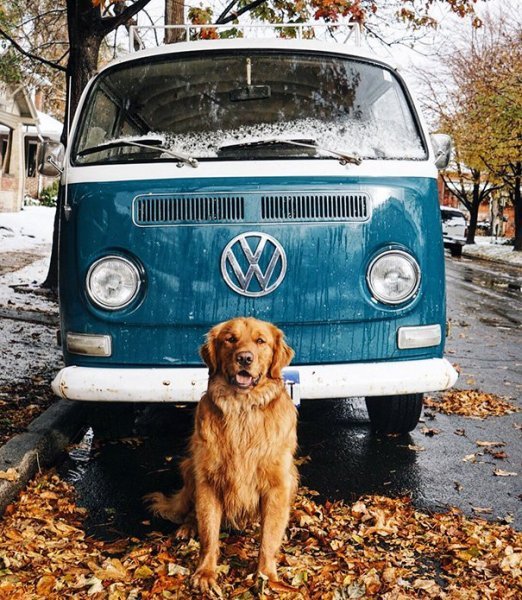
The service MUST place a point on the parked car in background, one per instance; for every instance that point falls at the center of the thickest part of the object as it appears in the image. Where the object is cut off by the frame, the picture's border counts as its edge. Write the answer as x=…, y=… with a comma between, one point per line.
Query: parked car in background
x=454, y=229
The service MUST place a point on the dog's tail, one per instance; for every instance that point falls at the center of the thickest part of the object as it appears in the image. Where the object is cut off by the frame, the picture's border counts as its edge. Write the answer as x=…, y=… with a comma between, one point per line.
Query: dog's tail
x=174, y=508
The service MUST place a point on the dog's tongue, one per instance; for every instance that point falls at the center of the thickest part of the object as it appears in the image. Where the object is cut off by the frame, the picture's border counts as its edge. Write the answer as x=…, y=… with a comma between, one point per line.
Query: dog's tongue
x=244, y=379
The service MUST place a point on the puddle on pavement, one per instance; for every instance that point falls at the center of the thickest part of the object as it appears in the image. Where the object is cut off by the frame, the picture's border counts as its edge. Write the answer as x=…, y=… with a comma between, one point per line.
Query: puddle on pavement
x=78, y=457
x=495, y=281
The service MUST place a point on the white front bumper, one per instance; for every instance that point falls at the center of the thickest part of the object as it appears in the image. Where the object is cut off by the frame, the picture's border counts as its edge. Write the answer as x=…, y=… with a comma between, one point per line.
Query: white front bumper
x=315, y=381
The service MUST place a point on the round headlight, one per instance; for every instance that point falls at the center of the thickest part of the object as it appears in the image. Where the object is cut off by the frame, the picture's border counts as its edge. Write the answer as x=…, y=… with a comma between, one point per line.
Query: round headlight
x=112, y=282
x=393, y=277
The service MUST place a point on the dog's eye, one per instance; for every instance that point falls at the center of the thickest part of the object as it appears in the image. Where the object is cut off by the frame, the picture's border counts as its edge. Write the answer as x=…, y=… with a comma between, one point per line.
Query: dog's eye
x=232, y=339
x=260, y=341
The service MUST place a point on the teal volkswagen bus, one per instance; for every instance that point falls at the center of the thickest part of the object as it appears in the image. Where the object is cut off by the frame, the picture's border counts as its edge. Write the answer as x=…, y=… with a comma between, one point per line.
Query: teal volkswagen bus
x=290, y=180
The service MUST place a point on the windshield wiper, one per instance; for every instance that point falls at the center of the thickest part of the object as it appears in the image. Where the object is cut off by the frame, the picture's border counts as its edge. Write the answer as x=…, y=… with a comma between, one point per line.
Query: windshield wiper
x=344, y=158
x=148, y=142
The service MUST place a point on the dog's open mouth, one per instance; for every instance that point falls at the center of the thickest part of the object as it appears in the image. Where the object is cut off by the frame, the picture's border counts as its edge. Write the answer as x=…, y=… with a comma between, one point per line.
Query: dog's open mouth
x=244, y=380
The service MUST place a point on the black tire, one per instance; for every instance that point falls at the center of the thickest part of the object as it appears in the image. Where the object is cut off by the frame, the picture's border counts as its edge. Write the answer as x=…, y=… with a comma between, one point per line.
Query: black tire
x=394, y=414
x=111, y=420
x=456, y=250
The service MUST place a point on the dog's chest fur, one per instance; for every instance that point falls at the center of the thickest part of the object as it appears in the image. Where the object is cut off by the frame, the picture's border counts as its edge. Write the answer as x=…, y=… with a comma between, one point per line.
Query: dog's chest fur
x=242, y=447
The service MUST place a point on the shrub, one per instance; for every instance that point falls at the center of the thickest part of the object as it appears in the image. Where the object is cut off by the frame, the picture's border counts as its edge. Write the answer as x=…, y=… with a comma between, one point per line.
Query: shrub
x=49, y=194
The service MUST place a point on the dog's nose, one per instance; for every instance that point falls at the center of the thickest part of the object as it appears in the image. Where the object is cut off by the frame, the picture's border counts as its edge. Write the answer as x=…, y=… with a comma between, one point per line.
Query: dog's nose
x=244, y=358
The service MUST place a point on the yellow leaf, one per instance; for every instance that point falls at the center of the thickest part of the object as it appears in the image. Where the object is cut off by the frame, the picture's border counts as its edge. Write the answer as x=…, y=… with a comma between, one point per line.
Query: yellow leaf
x=359, y=509
x=10, y=475
x=112, y=570
x=300, y=579
x=45, y=585
x=223, y=569
x=512, y=561
x=143, y=572
x=416, y=447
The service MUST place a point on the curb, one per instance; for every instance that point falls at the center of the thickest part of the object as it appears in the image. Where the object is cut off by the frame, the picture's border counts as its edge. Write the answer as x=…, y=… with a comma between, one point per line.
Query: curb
x=45, y=439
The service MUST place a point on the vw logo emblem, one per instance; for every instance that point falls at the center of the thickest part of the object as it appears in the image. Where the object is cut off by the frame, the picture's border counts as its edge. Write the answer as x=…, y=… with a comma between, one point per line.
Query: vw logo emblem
x=253, y=264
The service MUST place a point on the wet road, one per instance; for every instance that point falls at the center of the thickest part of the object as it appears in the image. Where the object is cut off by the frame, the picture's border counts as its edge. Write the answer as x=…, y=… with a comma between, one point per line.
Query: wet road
x=343, y=459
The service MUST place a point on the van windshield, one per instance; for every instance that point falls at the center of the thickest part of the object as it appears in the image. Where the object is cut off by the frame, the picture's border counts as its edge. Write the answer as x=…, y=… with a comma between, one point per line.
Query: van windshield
x=237, y=105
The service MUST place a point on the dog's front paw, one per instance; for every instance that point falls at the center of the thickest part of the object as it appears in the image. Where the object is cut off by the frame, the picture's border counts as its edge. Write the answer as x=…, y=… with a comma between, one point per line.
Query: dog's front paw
x=267, y=571
x=205, y=581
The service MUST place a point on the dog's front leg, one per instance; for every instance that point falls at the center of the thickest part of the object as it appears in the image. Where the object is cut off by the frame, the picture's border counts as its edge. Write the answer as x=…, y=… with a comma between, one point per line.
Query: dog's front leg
x=208, y=514
x=275, y=512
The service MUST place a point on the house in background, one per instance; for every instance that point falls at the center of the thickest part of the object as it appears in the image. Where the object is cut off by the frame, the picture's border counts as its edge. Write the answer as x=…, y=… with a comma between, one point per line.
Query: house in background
x=21, y=125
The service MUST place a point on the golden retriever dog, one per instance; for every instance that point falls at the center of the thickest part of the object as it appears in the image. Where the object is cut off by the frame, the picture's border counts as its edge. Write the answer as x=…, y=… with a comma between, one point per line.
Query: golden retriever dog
x=240, y=466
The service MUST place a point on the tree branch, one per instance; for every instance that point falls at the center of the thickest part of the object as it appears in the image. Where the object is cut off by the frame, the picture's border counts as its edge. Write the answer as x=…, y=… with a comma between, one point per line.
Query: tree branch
x=29, y=55
x=58, y=11
x=223, y=19
x=120, y=19
x=225, y=12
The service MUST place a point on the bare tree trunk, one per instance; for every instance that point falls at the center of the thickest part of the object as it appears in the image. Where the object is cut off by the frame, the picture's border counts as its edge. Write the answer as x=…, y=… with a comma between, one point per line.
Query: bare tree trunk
x=473, y=213
x=517, y=205
x=174, y=15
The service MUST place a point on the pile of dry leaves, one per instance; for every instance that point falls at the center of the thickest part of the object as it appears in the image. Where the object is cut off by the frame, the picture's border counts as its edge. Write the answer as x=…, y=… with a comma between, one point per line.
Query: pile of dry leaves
x=471, y=403
x=21, y=402
x=377, y=547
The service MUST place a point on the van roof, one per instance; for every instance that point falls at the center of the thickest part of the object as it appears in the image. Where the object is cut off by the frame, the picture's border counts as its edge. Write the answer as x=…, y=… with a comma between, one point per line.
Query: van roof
x=255, y=44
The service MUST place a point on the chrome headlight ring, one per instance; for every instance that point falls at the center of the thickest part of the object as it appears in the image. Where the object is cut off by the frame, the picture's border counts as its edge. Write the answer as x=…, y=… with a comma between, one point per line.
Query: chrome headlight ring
x=112, y=282
x=393, y=277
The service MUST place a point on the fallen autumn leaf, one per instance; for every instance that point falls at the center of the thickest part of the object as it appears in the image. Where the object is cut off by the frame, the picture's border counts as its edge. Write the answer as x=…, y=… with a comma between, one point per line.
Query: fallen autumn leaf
x=502, y=473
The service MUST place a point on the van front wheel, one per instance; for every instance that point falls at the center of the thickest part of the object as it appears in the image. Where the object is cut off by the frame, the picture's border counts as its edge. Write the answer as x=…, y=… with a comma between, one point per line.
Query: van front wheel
x=394, y=414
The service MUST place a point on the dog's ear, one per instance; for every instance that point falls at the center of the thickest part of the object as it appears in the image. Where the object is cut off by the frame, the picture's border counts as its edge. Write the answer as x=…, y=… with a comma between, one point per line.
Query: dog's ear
x=283, y=354
x=208, y=351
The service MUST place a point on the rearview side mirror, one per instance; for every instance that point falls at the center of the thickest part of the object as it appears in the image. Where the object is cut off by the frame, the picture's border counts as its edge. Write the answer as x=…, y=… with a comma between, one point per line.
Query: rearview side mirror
x=50, y=159
x=442, y=147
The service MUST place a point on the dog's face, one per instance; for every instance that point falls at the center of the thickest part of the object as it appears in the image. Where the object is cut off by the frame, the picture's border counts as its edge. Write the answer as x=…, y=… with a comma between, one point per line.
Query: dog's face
x=245, y=351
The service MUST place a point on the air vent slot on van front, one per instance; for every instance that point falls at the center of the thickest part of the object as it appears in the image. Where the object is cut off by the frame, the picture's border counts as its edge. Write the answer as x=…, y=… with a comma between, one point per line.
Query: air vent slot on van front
x=315, y=207
x=187, y=208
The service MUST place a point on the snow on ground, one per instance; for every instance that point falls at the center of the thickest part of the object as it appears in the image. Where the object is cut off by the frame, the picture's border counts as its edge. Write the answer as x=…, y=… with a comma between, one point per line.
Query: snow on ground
x=26, y=230
x=30, y=276
x=29, y=231
x=26, y=347
x=486, y=249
